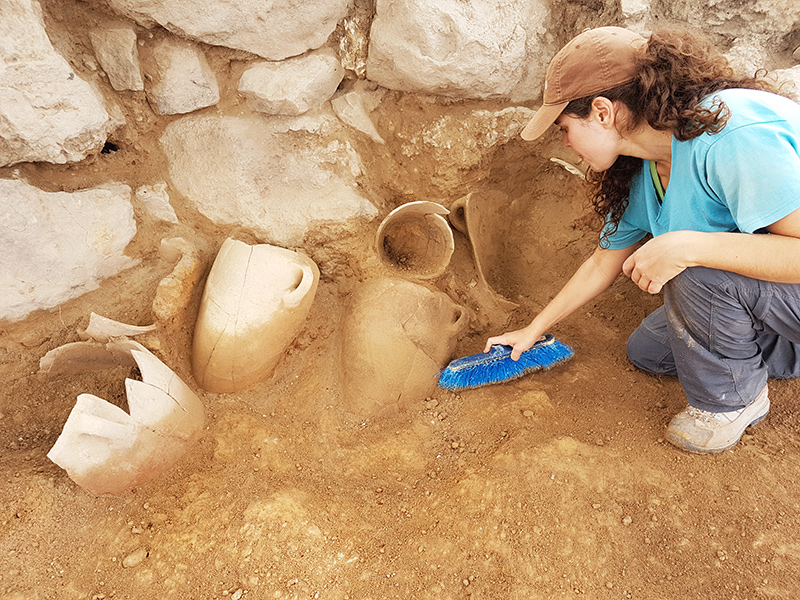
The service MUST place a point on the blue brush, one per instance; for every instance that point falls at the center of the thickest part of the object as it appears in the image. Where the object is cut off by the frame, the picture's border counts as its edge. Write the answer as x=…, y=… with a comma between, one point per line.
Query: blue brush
x=496, y=365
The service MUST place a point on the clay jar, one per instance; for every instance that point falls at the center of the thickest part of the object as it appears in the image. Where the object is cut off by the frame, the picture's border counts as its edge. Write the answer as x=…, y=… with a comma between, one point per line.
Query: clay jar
x=398, y=335
x=415, y=240
x=255, y=302
x=483, y=218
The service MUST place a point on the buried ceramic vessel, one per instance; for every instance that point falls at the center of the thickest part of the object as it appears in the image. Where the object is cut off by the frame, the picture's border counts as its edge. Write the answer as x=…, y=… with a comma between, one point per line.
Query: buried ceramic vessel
x=106, y=450
x=397, y=337
x=415, y=240
x=483, y=218
x=255, y=302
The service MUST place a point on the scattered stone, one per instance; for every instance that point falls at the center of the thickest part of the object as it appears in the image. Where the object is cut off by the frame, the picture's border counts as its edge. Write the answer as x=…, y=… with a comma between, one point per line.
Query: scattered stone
x=156, y=201
x=353, y=108
x=135, y=558
x=627, y=521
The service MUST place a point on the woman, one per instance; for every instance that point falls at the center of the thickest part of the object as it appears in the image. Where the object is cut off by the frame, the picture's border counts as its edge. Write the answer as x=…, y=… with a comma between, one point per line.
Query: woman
x=709, y=165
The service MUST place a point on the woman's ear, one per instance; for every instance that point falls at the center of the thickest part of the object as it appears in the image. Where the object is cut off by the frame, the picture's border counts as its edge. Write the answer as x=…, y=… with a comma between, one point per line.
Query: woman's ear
x=603, y=111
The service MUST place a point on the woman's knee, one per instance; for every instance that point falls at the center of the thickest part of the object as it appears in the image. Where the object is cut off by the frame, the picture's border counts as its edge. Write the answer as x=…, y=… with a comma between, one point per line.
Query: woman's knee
x=649, y=347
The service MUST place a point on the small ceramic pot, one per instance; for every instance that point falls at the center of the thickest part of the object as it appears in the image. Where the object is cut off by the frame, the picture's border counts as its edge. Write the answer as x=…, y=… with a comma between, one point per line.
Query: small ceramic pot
x=415, y=240
x=254, y=304
x=398, y=335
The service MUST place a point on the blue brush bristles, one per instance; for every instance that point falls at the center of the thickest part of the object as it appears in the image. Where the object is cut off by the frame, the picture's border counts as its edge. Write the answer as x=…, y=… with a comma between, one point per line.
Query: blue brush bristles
x=496, y=365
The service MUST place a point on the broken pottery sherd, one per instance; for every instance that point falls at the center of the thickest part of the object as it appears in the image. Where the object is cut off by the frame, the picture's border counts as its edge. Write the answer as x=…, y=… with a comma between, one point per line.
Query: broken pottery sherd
x=175, y=292
x=397, y=337
x=415, y=240
x=106, y=450
x=255, y=302
x=103, y=329
x=482, y=217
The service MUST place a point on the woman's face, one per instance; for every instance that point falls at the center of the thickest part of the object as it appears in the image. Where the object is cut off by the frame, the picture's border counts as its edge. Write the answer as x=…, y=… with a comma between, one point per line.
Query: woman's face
x=593, y=138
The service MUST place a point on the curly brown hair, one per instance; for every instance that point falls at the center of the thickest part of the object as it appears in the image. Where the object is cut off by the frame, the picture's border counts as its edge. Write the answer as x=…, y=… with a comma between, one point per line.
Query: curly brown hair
x=676, y=71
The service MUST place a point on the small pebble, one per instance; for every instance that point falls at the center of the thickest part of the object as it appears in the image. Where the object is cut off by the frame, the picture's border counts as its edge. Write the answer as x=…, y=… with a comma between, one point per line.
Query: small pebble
x=135, y=558
x=627, y=521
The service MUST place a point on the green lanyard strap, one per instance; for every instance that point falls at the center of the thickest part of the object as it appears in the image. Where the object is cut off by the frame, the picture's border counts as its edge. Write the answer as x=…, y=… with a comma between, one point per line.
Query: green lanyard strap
x=656, y=181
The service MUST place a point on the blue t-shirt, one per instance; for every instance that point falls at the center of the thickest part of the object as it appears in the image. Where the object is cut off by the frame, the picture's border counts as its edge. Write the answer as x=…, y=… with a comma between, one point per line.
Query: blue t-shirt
x=743, y=178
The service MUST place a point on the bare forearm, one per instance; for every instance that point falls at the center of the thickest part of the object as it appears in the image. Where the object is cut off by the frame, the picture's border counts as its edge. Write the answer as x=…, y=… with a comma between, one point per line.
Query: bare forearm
x=767, y=257
x=592, y=278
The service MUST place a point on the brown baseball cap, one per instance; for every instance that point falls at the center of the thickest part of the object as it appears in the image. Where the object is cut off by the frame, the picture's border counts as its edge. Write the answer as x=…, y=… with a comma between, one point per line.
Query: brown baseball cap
x=592, y=62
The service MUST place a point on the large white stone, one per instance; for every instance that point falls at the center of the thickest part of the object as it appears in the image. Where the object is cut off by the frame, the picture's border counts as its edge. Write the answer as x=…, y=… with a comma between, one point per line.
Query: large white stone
x=116, y=51
x=476, y=49
x=292, y=86
x=47, y=112
x=57, y=245
x=249, y=171
x=274, y=30
x=180, y=78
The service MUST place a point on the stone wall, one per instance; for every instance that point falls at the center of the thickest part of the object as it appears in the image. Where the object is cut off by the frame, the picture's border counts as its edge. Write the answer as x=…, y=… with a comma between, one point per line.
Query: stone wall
x=278, y=118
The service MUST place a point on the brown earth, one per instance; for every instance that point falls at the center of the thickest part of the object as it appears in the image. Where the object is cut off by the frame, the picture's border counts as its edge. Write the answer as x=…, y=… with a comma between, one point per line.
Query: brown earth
x=555, y=485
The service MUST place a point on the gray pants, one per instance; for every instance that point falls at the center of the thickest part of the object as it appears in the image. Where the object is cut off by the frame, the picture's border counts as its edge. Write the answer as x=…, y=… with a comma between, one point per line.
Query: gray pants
x=722, y=334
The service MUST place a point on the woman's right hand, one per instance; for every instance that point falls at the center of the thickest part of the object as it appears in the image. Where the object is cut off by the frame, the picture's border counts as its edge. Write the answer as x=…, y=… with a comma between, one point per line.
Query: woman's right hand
x=520, y=340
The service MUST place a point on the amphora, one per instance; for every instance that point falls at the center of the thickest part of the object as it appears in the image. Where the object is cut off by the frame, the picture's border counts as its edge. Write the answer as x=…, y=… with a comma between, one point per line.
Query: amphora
x=397, y=336
x=255, y=302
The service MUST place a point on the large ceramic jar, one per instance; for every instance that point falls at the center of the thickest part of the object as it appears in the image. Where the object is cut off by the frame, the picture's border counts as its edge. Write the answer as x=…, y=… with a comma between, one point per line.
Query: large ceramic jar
x=398, y=335
x=254, y=304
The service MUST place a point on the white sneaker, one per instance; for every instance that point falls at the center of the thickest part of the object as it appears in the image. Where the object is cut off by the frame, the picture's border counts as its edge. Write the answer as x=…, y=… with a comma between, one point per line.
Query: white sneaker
x=702, y=431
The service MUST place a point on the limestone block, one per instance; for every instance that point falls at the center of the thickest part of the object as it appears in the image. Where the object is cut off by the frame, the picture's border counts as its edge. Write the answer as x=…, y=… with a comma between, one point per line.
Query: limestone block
x=475, y=49
x=116, y=51
x=106, y=450
x=292, y=86
x=247, y=171
x=255, y=302
x=398, y=335
x=57, y=245
x=47, y=112
x=274, y=30
x=180, y=78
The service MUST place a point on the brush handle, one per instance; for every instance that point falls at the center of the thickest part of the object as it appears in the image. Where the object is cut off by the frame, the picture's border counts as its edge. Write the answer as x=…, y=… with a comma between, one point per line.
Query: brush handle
x=496, y=352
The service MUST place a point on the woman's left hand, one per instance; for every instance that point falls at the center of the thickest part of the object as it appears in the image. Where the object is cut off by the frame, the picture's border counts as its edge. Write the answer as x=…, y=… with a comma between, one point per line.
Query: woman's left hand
x=659, y=260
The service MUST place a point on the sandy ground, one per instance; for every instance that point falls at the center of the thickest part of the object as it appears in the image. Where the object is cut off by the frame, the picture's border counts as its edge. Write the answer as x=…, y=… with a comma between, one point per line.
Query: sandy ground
x=555, y=485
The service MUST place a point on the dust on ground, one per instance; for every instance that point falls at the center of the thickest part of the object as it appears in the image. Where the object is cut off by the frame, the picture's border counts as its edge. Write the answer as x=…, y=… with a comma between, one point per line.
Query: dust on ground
x=556, y=485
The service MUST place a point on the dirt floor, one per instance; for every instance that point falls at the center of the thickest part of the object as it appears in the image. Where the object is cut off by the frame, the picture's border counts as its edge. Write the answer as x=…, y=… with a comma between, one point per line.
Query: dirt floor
x=556, y=485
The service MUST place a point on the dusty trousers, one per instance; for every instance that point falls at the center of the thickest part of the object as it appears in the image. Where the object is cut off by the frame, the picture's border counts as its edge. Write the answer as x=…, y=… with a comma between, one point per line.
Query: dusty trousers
x=723, y=335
